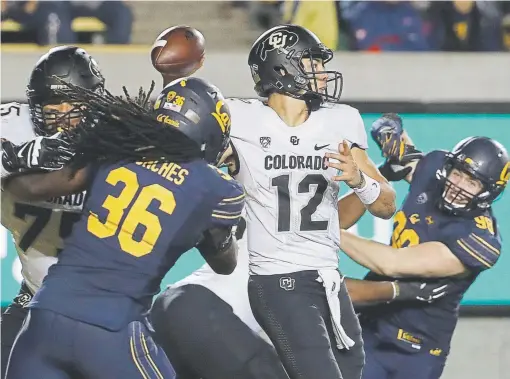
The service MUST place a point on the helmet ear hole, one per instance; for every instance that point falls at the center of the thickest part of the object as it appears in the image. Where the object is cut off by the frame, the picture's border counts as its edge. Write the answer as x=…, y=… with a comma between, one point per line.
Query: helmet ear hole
x=280, y=70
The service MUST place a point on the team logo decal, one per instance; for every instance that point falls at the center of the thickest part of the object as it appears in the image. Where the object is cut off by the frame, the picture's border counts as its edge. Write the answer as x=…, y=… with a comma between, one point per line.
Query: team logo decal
x=23, y=299
x=504, y=176
x=287, y=283
x=280, y=39
x=422, y=198
x=265, y=142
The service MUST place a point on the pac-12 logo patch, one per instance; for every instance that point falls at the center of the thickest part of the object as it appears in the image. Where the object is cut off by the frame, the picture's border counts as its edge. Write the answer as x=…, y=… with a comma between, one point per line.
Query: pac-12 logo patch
x=277, y=40
x=265, y=142
x=287, y=283
x=422, y=198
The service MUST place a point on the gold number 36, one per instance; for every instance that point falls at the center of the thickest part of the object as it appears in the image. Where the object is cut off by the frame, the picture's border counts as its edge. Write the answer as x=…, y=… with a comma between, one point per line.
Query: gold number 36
x=137, y=215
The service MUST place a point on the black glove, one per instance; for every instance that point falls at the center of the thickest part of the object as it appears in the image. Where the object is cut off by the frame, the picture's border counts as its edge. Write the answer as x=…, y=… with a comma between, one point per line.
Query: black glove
x=42, y=153
x=395, y=170
x=420, y=291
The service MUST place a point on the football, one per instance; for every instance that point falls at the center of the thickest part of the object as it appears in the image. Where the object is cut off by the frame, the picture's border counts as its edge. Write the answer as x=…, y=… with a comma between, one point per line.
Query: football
x=178, y=51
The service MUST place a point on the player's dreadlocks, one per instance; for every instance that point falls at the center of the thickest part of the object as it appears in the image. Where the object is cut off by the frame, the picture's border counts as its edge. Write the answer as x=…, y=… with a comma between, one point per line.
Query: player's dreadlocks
x=143, y=97
x=115, y=129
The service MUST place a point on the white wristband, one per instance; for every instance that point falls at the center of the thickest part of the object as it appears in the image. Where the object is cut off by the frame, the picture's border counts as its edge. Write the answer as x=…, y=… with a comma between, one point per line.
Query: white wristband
x=369, y=192
x=395, y=290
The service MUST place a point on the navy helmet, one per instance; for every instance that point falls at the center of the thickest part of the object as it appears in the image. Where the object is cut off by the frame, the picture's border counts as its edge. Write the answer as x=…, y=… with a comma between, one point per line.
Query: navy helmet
x=485, y=160
x=198, y=109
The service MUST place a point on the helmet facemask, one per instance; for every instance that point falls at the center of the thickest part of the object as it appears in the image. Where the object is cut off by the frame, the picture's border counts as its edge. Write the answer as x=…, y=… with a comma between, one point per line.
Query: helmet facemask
x=319, y=82
x=224, y=146
x=55, y=112
x=57, y=120
x=460, y=194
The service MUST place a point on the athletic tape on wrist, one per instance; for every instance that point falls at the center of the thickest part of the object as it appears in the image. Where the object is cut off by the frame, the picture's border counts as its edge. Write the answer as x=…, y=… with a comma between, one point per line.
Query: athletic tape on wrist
x=395, y=290
x=369, y=192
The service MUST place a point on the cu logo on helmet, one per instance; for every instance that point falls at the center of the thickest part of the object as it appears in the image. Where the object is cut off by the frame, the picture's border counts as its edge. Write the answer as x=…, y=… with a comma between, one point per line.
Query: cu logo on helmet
x=277, y=40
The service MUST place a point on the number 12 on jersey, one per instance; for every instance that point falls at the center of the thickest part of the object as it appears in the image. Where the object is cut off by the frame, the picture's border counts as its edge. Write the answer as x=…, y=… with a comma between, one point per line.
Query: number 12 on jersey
x=282, y=184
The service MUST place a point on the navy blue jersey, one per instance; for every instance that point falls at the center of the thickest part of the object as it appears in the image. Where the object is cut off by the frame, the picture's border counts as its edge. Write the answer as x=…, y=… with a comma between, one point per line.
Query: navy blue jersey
x=138, y=219
x=473, y=239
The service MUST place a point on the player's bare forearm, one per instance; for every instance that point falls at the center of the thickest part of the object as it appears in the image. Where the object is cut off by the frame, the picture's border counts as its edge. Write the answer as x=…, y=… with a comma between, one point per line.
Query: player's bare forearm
x=230, y=159
x=350, y=210
x=42, y=186
x=385, y=205
x=225, y=262
x=219, y=249
x=429, y=260
x=365, y=292
x=375, y=256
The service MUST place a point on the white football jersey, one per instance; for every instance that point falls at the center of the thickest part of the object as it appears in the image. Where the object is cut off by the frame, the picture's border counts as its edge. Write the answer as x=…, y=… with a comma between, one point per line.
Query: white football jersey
x=291, y=200
x=37, y=228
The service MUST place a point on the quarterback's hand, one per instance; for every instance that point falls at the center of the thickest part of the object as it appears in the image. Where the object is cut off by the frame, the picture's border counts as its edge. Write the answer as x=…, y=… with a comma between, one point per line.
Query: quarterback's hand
x=349, y=171
x=420, y=291
x=42, y=153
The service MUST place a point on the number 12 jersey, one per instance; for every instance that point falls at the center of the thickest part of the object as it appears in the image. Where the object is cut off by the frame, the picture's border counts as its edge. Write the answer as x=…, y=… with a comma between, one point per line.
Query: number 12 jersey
x=291, y=203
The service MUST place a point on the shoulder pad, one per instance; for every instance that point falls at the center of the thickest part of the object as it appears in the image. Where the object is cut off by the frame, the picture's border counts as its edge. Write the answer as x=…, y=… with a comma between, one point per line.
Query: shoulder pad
x=236, y=103
x=428, y=165
x=475, y=242
x=346, y=123
x=337, y=106
x=487, y=223
x=229, y=209
x=11, y=109
x=16, y=123
x=242, y=100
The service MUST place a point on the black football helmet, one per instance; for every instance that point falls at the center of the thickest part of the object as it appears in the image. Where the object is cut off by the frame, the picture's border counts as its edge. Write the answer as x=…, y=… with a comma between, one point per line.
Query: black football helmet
x=483, y=159
x=199, y=110
x=277, y=64
x=69, y=64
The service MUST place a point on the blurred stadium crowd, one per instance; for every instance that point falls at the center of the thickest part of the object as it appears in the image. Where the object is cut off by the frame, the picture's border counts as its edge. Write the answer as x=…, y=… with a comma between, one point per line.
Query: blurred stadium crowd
x=342, y=25
x=394, y=25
